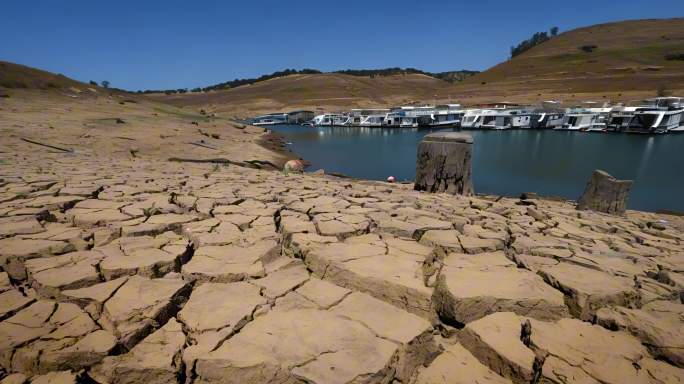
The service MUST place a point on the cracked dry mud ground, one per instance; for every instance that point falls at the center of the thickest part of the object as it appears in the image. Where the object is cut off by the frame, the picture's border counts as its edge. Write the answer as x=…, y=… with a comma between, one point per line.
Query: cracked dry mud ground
x=137, y=270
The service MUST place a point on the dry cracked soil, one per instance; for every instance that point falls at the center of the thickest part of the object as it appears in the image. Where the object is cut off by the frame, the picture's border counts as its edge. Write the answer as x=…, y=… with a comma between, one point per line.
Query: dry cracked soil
x=120, y=269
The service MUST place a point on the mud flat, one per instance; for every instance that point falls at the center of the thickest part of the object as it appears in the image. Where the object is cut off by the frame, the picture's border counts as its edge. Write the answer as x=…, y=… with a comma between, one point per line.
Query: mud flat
x=122, y=268
x=130, y=269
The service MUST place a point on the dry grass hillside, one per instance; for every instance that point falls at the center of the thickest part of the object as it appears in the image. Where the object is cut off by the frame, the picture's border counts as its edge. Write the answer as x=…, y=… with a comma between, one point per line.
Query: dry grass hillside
x=41, y=112
x=16, y=76
x=627, y=60
x=327, y=91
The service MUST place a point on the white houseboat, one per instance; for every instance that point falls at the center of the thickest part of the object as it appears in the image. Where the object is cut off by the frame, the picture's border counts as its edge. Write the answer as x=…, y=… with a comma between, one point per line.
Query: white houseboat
x=330, y=120
x=270, y=119
x=472, y=118
x=589, y=117
x=497, y=120
x=547, y=120
x=663, y=114
x=372, y=121
x=448, y=115
x=499, y=116
x=548, y=116
x=358, y=115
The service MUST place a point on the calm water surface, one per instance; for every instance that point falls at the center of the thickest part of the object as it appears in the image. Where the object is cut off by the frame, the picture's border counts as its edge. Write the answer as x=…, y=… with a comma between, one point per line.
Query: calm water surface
x=510, y=162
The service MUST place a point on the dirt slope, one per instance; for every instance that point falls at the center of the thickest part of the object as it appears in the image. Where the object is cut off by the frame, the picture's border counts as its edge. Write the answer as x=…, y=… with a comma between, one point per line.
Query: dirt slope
x=628, y=61
x=328, y=91
x=17, y=76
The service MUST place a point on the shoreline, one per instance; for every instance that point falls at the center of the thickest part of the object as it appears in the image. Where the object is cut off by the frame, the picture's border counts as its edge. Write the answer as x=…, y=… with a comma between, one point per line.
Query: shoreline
x=350, y=165
x=275, y=142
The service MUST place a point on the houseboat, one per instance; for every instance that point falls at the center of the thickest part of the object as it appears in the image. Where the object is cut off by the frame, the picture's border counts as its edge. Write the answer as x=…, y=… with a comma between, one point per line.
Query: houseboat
x=408, y=122
x=662, y=114
x=472, y=118
x=498, y=116
x=330, y=120
x=521, y=118
x=270, y=119
x=358, y=115
x=547, y=120
x=620, y=116
x=497, y=120
x=578, y=120
x=549, y=116
x=589, y=117
x=372, y=121
x=448, y=115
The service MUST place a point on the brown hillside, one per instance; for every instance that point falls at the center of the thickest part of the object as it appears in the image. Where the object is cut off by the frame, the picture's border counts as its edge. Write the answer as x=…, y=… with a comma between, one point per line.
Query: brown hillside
x=328, y=91
x=629, y=61
x=17, y=76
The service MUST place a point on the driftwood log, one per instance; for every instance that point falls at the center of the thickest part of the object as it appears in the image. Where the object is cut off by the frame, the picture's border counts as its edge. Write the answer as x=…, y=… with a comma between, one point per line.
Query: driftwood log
x=443, y=163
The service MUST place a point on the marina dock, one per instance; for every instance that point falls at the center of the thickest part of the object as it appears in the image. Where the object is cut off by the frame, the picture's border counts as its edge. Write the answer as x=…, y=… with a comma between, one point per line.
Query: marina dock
x=656, y=115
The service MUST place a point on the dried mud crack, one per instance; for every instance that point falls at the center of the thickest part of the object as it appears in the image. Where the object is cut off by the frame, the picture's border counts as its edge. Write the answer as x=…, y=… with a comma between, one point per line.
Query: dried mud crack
x=140, y=270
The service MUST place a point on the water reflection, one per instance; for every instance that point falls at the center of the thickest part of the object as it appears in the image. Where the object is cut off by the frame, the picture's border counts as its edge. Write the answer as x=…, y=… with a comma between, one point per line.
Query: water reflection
x=648, y=147
x=510, y=162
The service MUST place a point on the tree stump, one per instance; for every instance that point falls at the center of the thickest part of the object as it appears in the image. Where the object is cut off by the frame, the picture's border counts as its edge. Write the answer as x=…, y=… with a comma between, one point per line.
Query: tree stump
x=606, y=194
x=443, y=163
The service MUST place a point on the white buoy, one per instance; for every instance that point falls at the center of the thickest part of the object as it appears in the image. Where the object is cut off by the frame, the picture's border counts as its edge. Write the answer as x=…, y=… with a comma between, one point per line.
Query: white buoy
x=390, y=179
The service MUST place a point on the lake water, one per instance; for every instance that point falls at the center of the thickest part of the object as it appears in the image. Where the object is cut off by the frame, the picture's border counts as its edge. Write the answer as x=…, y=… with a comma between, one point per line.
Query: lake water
x=552, y=163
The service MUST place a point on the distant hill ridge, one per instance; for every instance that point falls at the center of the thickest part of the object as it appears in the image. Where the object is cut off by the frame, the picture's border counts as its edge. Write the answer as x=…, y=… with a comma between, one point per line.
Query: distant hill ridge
x=611, y=61
x=449, y=76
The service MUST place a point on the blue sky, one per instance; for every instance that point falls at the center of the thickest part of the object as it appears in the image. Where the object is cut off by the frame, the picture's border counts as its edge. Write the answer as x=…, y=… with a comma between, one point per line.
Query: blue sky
x=177, y=44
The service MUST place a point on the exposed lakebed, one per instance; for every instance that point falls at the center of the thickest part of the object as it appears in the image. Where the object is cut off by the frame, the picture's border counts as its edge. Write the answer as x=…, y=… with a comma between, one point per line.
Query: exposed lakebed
x=509, y=162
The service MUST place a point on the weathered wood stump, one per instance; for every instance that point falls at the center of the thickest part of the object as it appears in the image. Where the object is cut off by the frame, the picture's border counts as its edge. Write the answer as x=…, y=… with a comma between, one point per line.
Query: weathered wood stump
x=606, y=194
x=443, y=163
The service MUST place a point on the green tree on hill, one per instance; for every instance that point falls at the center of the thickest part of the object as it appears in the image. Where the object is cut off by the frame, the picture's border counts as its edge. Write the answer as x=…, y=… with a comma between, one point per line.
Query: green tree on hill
x=536, y=39
x=105, y=84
